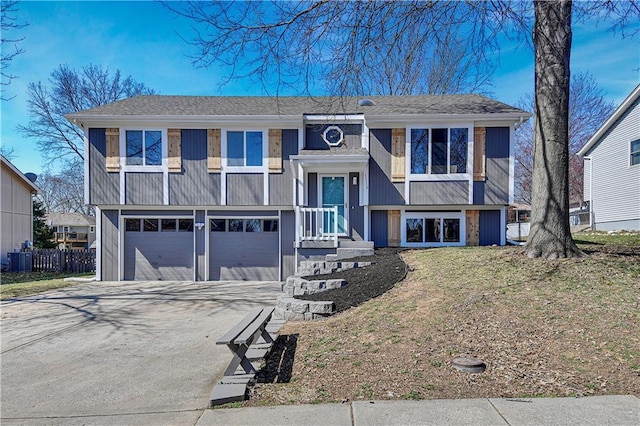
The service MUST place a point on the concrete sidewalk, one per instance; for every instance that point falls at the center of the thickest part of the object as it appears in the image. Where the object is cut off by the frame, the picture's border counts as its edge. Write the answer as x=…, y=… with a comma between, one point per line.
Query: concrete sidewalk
x=596, y=410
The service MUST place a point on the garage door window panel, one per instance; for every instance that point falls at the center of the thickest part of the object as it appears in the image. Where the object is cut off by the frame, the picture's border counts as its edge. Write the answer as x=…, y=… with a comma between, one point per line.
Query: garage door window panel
x=169, y=225
x=253, y=225
x=132, y=225
x=270, y=225
x=185, y=225
x=150, y=225
x=236, y=225
x=218, y=225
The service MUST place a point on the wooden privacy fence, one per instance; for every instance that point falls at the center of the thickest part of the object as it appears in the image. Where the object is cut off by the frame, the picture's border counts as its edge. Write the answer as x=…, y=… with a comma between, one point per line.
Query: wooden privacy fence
x=71, y=261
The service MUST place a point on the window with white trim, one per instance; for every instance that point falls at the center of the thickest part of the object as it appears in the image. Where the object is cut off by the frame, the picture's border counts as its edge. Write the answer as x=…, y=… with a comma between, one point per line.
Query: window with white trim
x=433, y=229
x=143, y=147
x=635, y=152
x=439, y=151
x=245, y=148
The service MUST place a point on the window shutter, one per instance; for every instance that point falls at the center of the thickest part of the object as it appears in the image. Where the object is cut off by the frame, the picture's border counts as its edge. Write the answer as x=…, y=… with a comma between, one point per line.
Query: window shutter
x=113, y=149
x=397, y=155
x=393, y=227
x=473, y=227
x=213, y=149
x=175, y=150
x=275, y=151
x=479, y=156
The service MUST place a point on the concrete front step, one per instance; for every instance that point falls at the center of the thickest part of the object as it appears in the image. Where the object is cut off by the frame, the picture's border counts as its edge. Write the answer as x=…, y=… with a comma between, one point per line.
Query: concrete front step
x=349, y=253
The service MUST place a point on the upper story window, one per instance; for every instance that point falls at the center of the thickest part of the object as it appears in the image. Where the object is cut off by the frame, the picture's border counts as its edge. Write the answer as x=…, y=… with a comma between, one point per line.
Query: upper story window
x=635, y=152
x=245, y=148
x=439, y=150
x=144, y=147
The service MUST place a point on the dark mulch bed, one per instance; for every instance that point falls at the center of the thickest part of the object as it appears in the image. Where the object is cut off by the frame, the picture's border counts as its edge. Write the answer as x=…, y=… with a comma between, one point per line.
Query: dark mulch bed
x=363, y=283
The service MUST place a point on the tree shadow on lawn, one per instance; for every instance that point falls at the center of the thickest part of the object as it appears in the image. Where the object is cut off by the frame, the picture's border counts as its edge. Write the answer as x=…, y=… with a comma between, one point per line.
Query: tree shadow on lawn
x=278, y=366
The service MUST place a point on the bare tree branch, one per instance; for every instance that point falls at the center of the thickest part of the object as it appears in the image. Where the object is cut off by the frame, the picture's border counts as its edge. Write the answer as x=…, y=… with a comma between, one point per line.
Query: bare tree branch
x=9, y=45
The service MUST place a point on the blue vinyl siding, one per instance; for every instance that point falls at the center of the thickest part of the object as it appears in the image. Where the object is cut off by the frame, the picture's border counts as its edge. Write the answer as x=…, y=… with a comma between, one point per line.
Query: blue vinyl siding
x=449, y=192
x=313, y=136
x=280, y=184
x=496, y=190
x=104, y=188
x=109, y=245
x=356, y=211
x=287, y=237
x=312, y=190
x=379, y=228
x=478, y=192
x=143, y=188
x=245, y=189
x=194, y=185
x=381, y=190
x=489, y=225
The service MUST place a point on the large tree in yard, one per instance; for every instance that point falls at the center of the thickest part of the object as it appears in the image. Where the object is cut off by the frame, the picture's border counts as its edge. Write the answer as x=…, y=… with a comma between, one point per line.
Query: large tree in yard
x=550, y=234
x=588, y=109
x=414, y=47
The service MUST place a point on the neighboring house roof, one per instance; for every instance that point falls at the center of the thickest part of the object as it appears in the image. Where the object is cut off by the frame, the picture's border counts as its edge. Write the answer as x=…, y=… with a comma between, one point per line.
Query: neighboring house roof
x=622, y=109
x=6, y=163
x=69, y=219
x=236, y=106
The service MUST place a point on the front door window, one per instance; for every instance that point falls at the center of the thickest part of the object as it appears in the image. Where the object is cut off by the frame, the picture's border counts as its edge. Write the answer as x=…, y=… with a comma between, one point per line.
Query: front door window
x=333, y=194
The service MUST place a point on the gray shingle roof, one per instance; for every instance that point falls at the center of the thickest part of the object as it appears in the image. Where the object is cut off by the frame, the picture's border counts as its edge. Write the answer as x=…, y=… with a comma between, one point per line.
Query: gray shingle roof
x=69, y=219
x=159, y=105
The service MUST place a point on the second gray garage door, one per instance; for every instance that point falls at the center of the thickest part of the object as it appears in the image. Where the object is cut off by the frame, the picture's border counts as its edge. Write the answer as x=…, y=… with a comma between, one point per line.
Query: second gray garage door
x=244, y=249
x=158, y=249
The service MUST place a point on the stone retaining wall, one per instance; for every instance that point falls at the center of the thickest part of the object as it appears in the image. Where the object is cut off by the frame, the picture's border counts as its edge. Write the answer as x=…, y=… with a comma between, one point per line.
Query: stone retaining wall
x=321, y=267
x=289, y=308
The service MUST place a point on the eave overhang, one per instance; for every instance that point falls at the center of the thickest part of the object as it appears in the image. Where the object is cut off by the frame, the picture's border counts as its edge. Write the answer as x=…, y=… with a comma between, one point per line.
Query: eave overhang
x=626, y=104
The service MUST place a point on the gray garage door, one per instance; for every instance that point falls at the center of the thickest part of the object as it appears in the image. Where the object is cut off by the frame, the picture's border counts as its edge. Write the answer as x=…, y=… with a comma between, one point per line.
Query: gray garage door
x=158, y=249
x=244, y=249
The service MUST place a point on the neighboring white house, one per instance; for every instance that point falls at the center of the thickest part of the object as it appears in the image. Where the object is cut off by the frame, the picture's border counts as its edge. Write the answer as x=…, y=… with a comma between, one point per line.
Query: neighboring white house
x=612, y=169
x=73, y=231
x=16, y=207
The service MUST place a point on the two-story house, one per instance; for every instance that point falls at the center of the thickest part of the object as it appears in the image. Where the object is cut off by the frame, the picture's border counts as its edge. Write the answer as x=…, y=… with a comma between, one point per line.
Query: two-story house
x=216, y=188
x=73, y=231
x=612, y=169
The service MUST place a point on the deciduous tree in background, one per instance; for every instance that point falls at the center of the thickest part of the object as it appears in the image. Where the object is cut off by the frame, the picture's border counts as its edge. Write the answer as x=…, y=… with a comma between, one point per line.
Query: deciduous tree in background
x=62, y=142
x=365, y=48
x=9, y=42
x=588, y=110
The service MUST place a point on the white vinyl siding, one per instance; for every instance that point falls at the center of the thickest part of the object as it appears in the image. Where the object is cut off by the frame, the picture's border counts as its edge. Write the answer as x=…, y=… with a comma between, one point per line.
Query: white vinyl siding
x=616, y=184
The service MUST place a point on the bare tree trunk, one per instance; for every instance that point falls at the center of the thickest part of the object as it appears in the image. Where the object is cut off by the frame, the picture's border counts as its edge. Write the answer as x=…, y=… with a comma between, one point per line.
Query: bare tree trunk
x=550, y=235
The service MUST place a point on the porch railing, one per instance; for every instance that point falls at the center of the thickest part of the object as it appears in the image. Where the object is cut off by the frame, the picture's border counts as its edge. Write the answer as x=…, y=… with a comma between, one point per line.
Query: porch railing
x=317, y=224
x=71, y=236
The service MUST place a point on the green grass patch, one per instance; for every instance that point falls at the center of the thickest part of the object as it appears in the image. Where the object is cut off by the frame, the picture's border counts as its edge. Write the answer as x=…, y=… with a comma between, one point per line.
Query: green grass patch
x=16, y=284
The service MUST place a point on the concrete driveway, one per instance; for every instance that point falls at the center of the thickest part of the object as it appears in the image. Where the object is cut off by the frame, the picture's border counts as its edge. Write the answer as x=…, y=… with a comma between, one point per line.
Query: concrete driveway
x=119, y=353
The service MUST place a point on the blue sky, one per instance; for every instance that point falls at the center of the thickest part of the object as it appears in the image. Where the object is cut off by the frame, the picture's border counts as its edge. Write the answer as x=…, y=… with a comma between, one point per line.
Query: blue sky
x=142, y=39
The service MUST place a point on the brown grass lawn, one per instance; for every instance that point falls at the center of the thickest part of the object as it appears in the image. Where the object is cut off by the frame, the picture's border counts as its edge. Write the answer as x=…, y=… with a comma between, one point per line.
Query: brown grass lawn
x=544, y=328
